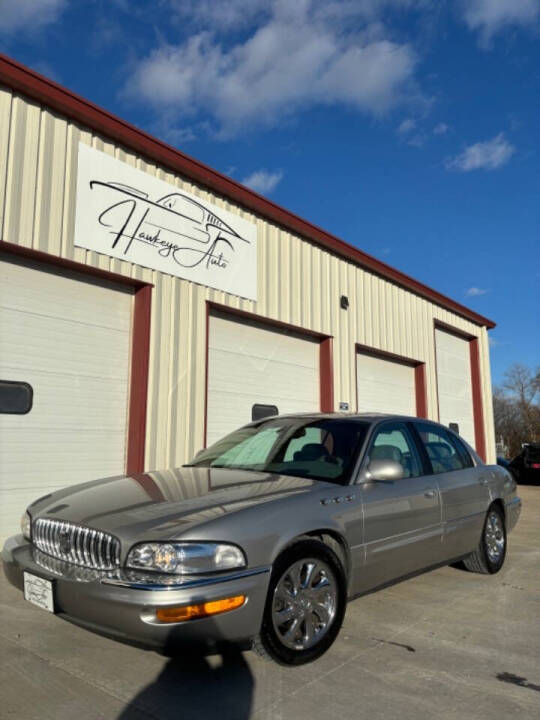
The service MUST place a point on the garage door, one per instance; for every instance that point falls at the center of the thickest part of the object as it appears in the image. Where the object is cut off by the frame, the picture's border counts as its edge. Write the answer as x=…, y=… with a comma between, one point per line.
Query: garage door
x=250, y=363
x=384, y=385
x=69, y=338
x=454, y=383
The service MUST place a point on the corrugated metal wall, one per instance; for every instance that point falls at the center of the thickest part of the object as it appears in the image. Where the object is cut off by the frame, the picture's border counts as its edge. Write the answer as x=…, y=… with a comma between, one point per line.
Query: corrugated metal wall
x=298, y=283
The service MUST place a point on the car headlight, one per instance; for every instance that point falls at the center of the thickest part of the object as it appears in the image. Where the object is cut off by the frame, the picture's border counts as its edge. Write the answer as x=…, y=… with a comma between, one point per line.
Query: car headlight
x=185, y=558
x=26, y=526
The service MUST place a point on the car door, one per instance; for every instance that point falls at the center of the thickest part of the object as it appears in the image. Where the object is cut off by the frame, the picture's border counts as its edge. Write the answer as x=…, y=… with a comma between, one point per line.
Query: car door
x=402, y=518
x=464, y=488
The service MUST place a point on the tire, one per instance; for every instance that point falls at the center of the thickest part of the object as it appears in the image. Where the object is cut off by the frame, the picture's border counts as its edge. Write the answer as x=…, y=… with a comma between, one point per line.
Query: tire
x=491, y=553
x=302, y=618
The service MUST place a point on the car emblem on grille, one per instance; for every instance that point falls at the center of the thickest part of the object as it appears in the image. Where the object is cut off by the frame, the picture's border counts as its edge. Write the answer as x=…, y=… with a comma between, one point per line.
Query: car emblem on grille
x=64, y=541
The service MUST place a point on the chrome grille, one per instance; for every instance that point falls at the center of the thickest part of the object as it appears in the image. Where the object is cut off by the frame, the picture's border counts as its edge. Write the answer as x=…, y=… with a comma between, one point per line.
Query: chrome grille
x=76, y=544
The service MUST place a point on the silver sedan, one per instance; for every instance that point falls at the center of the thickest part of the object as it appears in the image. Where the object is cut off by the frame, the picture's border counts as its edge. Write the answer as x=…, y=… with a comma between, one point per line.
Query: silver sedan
x=264, y=537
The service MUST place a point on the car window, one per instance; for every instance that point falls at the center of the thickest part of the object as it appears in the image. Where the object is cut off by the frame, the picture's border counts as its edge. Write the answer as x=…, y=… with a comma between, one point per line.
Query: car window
x=393, y=442
x=440, y=450
x=322, y=449
x=464, y=454
x=314, y=435
x=253, y=449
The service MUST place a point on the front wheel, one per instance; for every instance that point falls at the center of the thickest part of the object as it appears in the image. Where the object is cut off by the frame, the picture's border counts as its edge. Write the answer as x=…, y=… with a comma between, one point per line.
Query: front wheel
x=305, y=605
x=490, y=555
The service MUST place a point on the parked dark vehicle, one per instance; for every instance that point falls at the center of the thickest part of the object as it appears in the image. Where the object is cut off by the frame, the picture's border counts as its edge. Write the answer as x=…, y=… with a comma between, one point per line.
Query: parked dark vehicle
x=526, y=466
x=264, y=537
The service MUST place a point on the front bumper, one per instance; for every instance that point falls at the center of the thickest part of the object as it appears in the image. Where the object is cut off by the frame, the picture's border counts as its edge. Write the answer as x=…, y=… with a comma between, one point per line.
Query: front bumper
x=122, y=607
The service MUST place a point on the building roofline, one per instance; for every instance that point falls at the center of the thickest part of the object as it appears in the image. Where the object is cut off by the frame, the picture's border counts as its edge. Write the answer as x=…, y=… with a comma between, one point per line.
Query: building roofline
x=27, y=82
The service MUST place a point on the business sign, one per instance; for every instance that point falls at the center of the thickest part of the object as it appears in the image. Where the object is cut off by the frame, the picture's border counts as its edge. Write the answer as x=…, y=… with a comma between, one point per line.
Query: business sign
x=128, y=214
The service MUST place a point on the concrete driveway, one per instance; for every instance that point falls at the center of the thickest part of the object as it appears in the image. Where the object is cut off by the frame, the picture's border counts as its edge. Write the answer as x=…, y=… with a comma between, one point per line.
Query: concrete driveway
x=448, y=644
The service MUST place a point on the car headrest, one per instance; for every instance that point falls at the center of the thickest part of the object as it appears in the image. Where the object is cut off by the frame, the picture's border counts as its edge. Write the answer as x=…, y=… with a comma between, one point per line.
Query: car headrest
x=311, y=451
x=438, y=450
x=386, y=452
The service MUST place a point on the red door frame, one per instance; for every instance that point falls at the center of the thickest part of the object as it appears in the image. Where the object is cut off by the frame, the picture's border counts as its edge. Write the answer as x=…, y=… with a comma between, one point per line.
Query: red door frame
x=326, y=362
x=419, y=374
x=476, y=382
x=140, y=343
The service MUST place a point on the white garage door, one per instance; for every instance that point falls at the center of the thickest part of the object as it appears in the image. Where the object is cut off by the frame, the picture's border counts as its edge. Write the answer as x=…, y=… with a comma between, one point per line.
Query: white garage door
x=454, y=383
x=250, y=363
x=69, y=338
x=385, y=385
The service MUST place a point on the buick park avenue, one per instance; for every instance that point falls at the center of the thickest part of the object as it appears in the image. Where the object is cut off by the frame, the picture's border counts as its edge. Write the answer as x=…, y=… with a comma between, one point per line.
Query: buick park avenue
x=264, y=537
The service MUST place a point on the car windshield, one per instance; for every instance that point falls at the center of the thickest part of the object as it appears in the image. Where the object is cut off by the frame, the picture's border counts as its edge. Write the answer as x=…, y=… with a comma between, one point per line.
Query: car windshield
x=324, y=449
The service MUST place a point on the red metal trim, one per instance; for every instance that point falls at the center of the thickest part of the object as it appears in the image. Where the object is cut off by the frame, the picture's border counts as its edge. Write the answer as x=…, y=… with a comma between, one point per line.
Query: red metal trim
x=208, y=306
x=35, y=86
x=140, y=343
x=140, y=360
x=265, y=320
x=439, y=325
x=420, y=388
x=39, y=256
x=436, y=371
x=420, y=391
x=385, y=355
x=150, y=487
x=478, y=406
x=326, y=374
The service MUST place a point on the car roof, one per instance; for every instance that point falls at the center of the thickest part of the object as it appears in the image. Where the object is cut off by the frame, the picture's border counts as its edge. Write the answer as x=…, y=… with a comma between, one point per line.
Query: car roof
x=353, y=417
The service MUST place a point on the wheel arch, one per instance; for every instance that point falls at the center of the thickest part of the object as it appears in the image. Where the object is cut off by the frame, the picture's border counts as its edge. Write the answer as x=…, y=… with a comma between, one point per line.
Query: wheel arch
x=499, y=503
x=330, y=537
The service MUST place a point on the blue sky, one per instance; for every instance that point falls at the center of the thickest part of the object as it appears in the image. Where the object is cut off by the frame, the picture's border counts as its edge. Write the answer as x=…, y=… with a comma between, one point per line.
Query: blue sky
x=409, y=128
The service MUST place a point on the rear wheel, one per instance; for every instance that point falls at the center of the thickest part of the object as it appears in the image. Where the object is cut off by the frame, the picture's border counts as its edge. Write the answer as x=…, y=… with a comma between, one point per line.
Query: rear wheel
x=490, y=555
x=305, y=605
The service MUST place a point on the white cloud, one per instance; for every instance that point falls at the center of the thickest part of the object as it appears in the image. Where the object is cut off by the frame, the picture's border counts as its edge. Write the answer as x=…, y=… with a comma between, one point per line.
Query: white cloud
x=178, y=135
x=221, y=16
x=488, y=155
x=28, y=15
x=489, y=17
x=417, y=140
x=441, y=129
x=475, y=291
x=288, y=61
x=262, y=181
x=406, y=126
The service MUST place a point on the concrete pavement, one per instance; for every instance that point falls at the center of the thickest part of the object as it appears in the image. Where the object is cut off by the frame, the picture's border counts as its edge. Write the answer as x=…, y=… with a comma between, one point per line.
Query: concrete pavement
x=447, y=644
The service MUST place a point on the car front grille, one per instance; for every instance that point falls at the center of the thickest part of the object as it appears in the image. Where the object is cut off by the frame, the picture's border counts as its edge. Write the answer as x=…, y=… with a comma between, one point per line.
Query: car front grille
x=76, y=544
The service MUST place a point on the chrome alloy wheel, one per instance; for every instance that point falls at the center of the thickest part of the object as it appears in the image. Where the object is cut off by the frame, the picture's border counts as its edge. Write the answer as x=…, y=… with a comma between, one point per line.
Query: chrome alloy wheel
x=304, y=603
x=494, y=537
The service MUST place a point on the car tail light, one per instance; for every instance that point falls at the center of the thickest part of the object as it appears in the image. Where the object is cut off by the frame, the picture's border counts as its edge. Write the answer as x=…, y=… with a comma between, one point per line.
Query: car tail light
x=191, y=612
x=535, y=466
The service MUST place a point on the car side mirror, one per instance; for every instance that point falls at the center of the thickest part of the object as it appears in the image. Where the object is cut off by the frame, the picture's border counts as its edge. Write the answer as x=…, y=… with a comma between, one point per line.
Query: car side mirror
x=384, y=471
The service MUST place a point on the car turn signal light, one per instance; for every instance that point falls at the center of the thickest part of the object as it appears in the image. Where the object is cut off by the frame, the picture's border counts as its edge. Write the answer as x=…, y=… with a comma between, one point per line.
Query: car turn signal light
x=192, y=612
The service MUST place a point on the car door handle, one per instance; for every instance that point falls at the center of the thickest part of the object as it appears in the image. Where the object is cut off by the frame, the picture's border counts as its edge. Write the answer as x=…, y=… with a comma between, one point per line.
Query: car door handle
x=483, y=481
x=429, y=493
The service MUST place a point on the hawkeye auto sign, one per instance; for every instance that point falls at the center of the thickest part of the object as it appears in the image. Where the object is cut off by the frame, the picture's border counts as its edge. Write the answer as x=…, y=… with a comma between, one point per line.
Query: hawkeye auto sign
x=128, y=214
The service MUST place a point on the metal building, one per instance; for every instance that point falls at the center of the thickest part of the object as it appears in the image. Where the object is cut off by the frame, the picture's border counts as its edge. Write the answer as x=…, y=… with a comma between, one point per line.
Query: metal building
x=150, y=303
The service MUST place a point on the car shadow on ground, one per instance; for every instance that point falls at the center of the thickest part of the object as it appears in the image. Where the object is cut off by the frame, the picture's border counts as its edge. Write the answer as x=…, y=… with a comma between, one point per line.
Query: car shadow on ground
x=197, y=686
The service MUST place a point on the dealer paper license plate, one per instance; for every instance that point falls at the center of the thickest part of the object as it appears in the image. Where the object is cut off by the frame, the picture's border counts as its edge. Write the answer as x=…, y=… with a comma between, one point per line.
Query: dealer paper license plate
x=39, y=591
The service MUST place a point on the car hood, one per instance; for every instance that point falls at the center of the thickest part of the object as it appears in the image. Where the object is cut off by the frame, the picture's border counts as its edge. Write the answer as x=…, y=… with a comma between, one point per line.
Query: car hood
x=165, y=504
